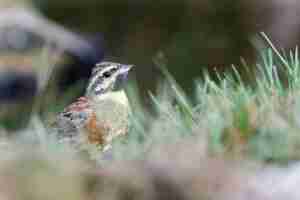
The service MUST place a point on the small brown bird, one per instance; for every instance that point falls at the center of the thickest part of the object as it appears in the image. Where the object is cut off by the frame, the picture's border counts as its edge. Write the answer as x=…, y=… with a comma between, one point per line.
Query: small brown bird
x=102, y=114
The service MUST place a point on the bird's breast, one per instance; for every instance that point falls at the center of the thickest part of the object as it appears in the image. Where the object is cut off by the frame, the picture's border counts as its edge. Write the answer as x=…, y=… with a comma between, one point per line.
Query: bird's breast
x=112, y=109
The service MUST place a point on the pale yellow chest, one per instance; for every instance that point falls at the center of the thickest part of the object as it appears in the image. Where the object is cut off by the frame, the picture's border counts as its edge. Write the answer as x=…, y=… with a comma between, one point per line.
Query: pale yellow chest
x=112, y=109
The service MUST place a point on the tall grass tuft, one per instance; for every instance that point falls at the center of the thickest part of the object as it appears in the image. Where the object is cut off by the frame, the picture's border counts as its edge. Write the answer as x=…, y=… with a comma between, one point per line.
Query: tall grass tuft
x=257, y=121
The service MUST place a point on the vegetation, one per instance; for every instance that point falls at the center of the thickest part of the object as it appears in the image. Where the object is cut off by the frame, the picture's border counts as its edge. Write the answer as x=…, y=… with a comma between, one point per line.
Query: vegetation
x=228, y=119
x=256, y=121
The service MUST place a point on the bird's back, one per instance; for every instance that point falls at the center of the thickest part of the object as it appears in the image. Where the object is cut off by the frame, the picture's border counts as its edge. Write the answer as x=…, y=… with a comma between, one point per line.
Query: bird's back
x=97, y=120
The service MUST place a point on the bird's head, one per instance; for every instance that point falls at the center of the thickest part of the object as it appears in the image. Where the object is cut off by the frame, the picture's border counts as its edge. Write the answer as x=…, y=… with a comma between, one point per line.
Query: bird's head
x=107, y=76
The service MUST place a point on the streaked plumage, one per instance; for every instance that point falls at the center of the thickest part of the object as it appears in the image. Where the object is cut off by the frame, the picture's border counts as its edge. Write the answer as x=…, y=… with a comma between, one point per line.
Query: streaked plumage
x=102, y=114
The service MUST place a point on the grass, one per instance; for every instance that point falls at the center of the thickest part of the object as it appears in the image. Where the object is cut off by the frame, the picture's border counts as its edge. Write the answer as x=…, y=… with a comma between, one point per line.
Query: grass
x=258, y=121
x=228, y=119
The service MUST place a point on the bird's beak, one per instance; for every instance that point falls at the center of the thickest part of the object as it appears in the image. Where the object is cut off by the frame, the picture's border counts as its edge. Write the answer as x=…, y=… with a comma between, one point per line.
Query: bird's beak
x=122, y=77
x=126, y=68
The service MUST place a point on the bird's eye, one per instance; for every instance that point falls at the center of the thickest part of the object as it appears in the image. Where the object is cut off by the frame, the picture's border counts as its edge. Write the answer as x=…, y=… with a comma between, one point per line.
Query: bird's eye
x=106, y=74
x=113, y=70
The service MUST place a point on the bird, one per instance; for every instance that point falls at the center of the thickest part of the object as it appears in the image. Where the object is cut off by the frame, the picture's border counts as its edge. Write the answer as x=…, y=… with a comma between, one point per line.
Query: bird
x=102, y=114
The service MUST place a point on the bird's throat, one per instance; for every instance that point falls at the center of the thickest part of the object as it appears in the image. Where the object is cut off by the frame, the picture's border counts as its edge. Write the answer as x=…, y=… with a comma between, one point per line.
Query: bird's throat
x=116, y=96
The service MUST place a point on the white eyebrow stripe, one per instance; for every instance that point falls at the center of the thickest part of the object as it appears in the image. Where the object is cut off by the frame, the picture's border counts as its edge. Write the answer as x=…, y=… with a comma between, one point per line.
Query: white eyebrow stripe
x=107, y=69
x=93, y=85
x=101, y=69
x=105, y=64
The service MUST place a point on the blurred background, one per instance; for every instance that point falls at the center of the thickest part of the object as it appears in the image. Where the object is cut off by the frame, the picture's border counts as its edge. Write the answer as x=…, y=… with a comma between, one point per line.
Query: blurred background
x=66, y=38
